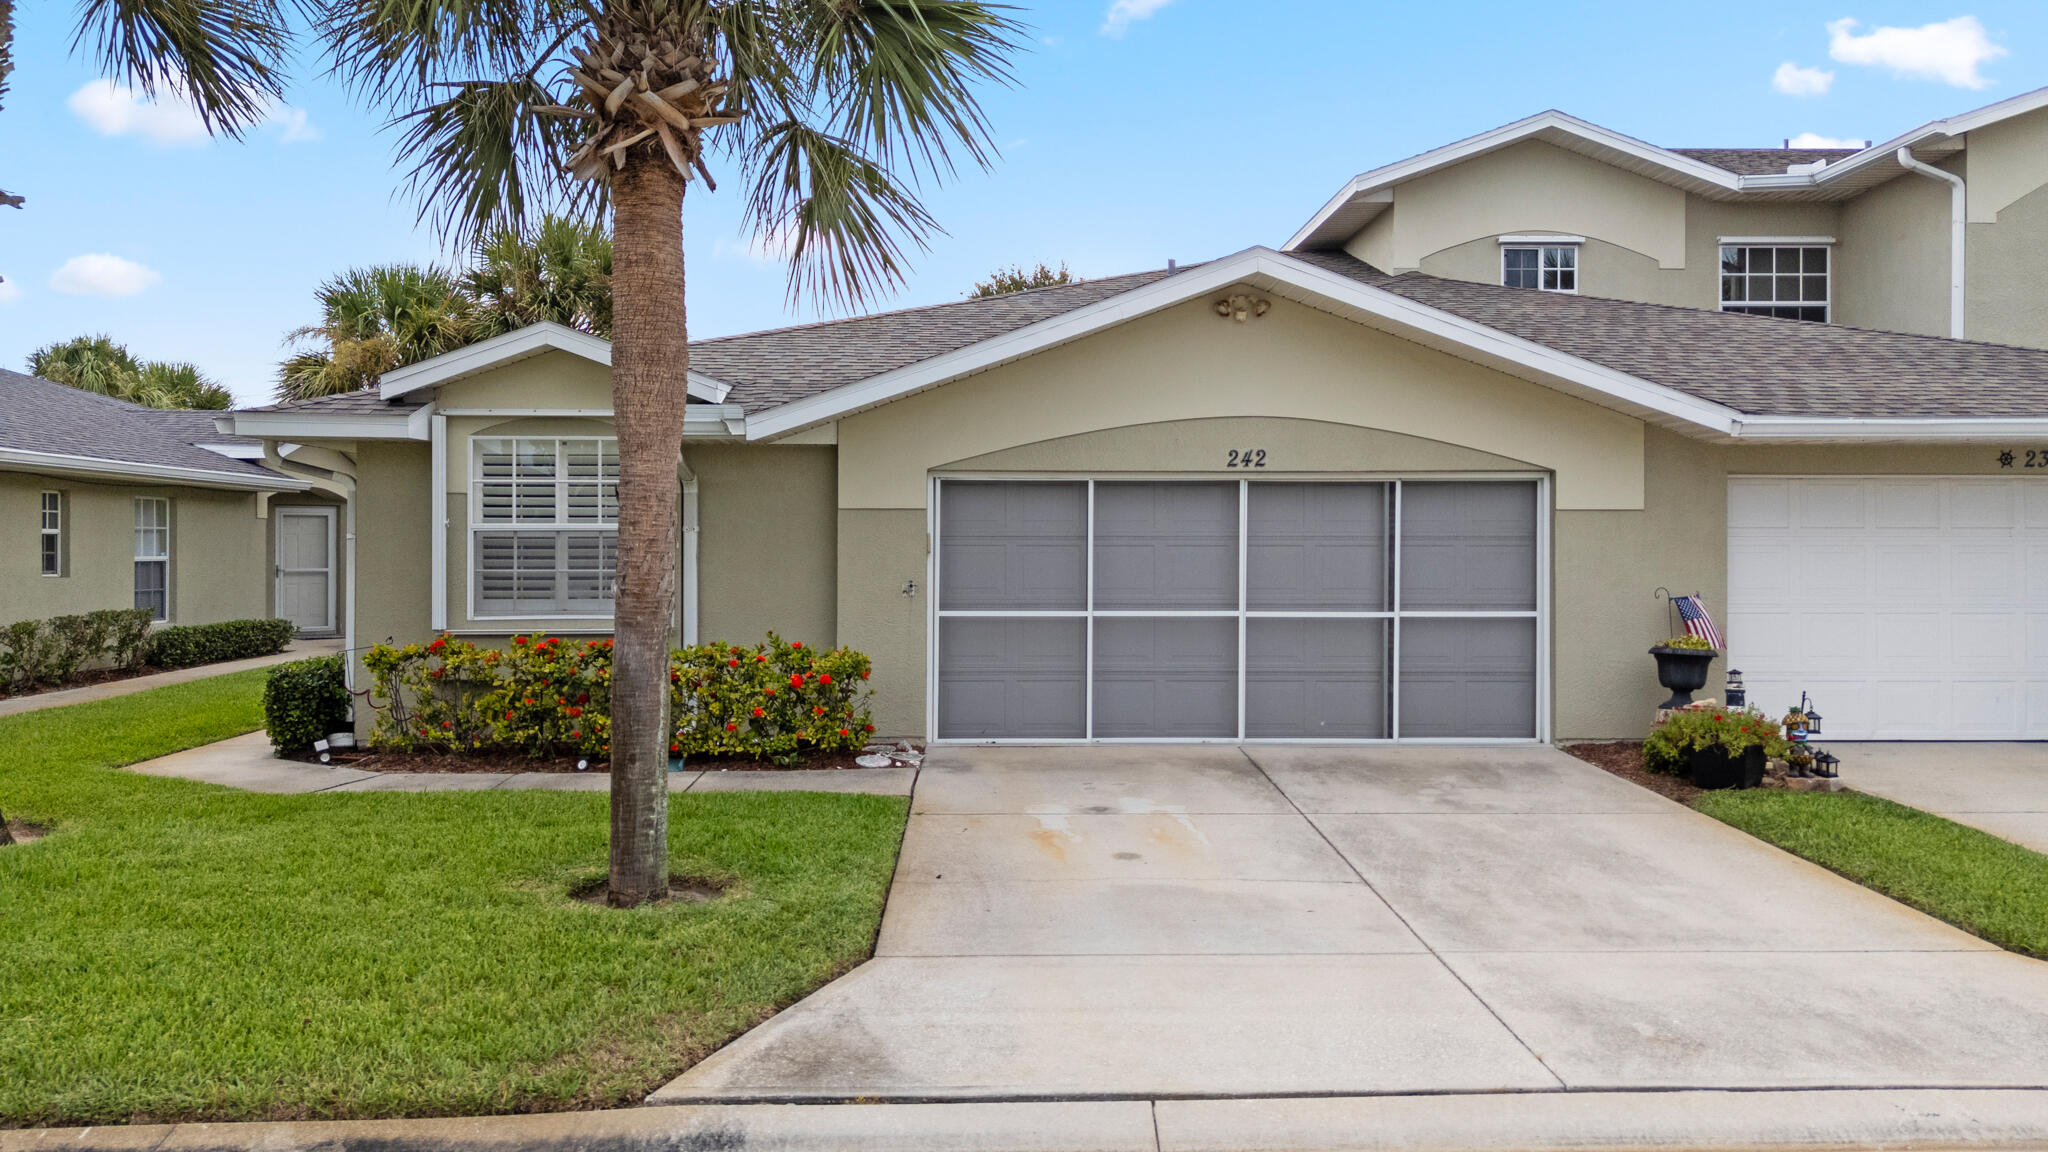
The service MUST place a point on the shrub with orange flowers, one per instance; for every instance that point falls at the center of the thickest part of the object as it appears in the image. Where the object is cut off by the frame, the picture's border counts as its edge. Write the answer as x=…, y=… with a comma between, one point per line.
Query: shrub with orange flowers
x=773, y=701
x=548, y=696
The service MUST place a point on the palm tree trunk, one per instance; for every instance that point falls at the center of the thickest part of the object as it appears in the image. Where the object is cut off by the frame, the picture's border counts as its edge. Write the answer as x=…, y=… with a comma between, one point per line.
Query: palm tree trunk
x=650, y=371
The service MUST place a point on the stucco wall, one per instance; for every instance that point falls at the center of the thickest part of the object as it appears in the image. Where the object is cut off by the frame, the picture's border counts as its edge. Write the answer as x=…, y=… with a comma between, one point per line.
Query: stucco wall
x=2007, y=301
x=394, y=562
x=218, y=568
x=767, y=544
x=1894, y=259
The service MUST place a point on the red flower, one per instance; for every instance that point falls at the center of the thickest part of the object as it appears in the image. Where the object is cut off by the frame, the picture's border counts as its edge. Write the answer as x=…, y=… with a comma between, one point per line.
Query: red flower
x=760, y=658
x=844, y=732
x=519, y=641
x=438, y=644
x=583, y=699
x=574, y=712
x=759, y=712
x=672, y=749
x=437, y=673
x=446, y=724
x=863, y=673
x=607, y=645
x=826, y=678
x=528, y=701
x=817, y=711
x=575, y=735
x=770, y=691
x=732, y=727
x=797, y=644
x=869, y=728
x=733, y=663
x=796, y=680
x=508, y=715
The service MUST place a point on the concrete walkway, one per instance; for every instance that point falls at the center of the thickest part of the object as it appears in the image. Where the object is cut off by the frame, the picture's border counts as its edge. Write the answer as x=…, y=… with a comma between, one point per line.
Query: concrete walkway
x=1151, y=924
x=2000, y=788
x=298, y=650
x=246, y=762
x=1553, y=1122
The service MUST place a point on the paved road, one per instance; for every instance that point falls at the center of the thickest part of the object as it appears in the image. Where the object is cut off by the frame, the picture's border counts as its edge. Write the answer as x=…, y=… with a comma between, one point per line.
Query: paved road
x=2001, y=788
x=1125, y=923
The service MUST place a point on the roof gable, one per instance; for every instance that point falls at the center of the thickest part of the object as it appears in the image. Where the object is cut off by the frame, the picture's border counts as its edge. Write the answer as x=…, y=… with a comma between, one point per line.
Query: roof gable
x=518, y=344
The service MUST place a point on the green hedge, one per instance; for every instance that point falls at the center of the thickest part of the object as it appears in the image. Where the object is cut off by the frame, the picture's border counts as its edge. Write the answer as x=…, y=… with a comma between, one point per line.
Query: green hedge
x=187, y=644
x=305, y=700
x=36, y=653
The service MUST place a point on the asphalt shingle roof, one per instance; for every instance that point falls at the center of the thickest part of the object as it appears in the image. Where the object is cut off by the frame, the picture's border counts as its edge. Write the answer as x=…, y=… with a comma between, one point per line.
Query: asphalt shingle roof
x=1755, y=364
x=1762, y=161
x=775, y=367
x=353, y=403
x=37, y=415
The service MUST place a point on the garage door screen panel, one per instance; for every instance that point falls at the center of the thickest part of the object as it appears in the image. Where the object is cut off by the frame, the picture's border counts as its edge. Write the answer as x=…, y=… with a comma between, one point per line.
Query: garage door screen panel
x=1012, y=679
x=1165, y=678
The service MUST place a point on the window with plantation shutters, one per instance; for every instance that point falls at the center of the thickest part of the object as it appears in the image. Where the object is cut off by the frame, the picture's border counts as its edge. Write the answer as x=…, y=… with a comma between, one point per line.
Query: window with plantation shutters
x=544, y=526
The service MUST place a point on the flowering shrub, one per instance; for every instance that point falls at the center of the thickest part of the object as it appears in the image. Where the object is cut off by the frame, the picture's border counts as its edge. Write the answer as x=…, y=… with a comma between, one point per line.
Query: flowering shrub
x=543, y=695
x=1732, y=730
x=774, y=701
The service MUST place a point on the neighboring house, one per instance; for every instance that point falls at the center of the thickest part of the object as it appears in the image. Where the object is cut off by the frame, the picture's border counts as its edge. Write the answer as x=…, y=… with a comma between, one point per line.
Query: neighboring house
x=111, y=505
x=1280, y=495
x=1857, y=237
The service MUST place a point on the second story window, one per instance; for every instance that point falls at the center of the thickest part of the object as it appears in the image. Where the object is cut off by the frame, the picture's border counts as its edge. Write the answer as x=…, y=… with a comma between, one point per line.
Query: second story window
x=1546, y=267
x=1789, y=281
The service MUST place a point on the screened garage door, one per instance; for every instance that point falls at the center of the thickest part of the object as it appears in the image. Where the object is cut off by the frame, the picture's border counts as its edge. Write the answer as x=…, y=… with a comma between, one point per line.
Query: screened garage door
x=1237, y=610
x=1906, y=607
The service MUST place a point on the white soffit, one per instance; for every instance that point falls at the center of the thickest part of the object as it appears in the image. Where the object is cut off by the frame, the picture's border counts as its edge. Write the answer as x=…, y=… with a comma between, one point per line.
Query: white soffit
x=1303, y=283
x=532, y=340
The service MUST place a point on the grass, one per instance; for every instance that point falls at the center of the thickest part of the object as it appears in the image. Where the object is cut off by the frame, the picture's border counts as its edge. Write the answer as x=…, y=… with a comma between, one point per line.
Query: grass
x=1986, y=886
x=177, y=951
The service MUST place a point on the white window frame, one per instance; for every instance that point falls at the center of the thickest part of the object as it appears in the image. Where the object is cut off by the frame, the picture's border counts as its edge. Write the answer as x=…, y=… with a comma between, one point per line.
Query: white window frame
x=147, y=551
x=1395, y=615
x=1743, y=307
x=50, y=534
x=1544, y=247
x=560, y=527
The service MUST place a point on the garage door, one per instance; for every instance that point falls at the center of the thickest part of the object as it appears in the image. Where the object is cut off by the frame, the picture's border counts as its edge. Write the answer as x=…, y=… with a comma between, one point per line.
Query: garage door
x=1235, y=610
x=1908, y=608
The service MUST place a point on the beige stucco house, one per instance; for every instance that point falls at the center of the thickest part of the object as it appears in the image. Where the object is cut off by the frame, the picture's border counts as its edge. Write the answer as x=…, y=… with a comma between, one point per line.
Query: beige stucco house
x=1402, y=480
x=112, y=505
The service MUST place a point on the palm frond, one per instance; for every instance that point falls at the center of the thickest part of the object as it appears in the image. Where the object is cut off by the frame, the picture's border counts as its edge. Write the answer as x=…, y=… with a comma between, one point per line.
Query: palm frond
x=484, y=154
x=227, y=57
x=844, y=218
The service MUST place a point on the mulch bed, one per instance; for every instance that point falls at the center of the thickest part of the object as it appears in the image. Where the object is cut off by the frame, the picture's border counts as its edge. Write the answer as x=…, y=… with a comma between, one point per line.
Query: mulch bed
x=1624, y=758
x=512, y=760
x=85, y=680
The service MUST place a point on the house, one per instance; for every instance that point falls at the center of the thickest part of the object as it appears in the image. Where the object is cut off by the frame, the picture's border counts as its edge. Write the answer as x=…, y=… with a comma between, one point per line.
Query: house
x=112, y=505
x=1403, y=479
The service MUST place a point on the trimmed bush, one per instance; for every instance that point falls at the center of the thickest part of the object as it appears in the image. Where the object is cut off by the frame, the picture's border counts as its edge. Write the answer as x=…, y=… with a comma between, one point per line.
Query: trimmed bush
x=24, y=654
x=773, y=701
x=305, y=700
x=187, y=644
x=73, y=641
x=126, y=631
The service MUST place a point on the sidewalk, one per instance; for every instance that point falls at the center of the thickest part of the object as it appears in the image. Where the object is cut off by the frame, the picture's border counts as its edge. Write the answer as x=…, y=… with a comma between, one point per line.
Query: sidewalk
x=246, y=762
x=1530, y=1122
x=297, y=650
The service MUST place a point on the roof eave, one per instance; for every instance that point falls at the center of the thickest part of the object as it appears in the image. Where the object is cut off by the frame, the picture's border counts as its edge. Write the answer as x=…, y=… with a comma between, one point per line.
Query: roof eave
x=516, y=345
x=67, y=464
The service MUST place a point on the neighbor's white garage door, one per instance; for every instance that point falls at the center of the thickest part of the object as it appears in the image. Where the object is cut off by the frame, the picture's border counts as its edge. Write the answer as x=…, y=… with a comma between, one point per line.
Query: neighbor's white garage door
x=1908, y=608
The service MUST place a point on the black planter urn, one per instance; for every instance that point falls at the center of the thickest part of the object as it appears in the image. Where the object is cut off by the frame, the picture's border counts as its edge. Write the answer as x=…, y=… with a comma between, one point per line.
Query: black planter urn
x=1713, y=768
x=1683, y=670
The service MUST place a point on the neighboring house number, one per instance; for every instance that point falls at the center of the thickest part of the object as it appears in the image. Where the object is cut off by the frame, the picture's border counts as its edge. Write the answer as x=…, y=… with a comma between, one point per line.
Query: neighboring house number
x=2035, y=458
x=1247, y=458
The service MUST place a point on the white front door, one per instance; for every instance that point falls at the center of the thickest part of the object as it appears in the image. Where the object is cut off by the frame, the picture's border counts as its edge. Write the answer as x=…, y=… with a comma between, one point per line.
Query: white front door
x=305, y=567
x=1907, y=607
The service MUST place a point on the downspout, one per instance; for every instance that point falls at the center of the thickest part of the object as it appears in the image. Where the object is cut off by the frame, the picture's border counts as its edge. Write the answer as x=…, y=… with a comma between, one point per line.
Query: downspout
x=689, y=481
x=1958, y=220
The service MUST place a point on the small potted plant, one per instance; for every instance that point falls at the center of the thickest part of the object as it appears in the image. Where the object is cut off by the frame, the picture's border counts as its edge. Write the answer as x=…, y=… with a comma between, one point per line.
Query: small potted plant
x=1719, y=747
x=1682, y=667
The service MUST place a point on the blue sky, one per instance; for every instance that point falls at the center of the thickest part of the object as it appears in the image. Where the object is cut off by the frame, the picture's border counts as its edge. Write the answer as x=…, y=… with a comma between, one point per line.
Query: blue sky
x=1139, y=130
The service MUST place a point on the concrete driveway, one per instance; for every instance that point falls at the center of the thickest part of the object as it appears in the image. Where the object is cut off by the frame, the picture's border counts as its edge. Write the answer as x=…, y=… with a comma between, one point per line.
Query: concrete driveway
x=1288, y=921
x=2001, y=788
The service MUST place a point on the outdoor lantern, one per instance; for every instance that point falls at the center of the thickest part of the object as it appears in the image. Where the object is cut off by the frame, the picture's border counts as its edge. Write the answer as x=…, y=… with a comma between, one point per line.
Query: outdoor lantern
x=1812, y=722
x=1827, y=764
x=1736, y=696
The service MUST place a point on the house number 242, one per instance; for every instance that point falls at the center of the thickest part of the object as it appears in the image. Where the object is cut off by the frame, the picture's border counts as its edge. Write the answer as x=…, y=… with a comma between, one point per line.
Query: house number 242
x=1246, y=458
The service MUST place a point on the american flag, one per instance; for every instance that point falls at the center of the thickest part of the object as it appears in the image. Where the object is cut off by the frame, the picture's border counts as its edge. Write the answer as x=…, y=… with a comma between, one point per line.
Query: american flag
x=1697, y=622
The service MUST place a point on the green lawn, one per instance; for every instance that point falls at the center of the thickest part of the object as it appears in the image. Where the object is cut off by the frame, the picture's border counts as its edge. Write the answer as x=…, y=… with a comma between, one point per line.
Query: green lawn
x=175, y=950
x=1990, y=887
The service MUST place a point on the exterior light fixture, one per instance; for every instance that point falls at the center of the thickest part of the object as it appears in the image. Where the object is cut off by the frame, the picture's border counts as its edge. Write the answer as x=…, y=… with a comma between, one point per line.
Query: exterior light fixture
x=1736, y=695
x=1243, y=306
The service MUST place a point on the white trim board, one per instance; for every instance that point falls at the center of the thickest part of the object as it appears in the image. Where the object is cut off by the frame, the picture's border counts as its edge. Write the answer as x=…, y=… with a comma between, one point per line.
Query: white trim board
x=1302, y=282
x=532, y=340
x=63, y=463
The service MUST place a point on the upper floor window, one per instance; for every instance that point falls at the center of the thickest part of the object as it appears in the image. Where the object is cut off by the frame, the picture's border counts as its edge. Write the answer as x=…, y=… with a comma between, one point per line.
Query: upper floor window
x=1786, y=280
x=544, y=518
x=153, y=556
x=1549, y=267
x=53, y=533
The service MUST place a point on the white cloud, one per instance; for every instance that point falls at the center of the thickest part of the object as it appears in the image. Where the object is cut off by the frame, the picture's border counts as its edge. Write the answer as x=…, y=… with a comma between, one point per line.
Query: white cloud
x=1816, y=140
x=118, y=110
x=9, y=291
x=763, y=248
x=1124, y=13
x=1949, y=51
x=297, y=128
x=1793, y=80
x=102, y=274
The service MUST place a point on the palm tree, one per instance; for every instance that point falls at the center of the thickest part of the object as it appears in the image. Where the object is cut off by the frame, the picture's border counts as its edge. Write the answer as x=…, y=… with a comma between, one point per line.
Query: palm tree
x=97, y=364
x=816, y=103
x=224, y=57
x=560, y=270
x=373, y=320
